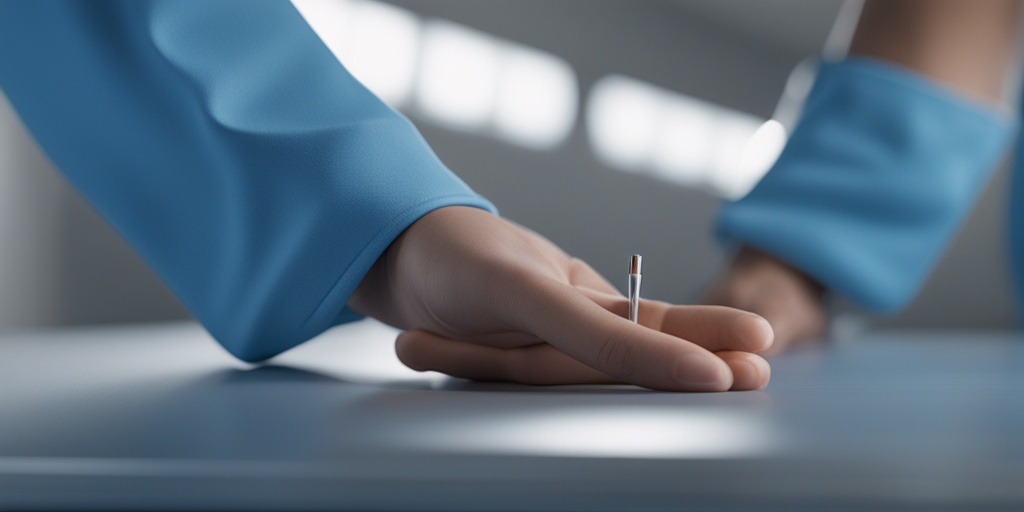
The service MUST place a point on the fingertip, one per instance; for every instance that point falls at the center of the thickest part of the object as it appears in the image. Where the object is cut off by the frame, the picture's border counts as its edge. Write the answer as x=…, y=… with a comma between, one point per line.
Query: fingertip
x=695, y=371
x=750, y=371
x=767, y=369
x=755, y=331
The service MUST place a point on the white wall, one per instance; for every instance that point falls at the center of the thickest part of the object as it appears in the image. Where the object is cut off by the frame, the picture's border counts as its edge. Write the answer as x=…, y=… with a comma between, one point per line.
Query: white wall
x=60, y=264
x=30, y=194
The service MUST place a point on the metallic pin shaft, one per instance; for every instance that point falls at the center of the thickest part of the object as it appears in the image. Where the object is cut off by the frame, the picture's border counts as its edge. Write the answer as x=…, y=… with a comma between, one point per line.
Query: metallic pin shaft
x=635, y=264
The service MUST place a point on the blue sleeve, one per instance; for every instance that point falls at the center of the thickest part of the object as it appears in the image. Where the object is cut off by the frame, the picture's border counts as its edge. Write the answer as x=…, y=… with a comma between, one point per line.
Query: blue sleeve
x=229, y=147
x=878, y=174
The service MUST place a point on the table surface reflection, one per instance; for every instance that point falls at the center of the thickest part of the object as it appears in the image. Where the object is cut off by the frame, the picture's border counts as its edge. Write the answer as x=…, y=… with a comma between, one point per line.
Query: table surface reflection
x=159, y=416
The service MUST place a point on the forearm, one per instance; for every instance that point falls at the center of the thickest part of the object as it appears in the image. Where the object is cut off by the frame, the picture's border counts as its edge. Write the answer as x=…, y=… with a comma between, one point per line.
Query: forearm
x=893, y=146
x=966, y=46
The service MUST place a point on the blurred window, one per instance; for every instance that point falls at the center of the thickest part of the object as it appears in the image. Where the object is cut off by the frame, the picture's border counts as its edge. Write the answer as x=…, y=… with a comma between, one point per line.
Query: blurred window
x=449, y=74
x=637, y=127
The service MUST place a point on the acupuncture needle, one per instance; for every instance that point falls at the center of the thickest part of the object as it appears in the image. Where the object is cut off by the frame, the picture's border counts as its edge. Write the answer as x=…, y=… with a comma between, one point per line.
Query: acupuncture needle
x=635, y=264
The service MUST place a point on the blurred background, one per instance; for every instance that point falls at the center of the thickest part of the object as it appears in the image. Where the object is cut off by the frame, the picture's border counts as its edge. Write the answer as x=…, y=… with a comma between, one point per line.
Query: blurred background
x=612, y=127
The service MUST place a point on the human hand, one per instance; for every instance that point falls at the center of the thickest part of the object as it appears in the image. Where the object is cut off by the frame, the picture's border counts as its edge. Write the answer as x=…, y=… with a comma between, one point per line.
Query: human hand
x=789, y=299
x=483, y=298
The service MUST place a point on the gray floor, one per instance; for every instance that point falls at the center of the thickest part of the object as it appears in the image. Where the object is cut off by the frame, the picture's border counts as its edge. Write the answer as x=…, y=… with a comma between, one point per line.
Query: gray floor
x=159, y=417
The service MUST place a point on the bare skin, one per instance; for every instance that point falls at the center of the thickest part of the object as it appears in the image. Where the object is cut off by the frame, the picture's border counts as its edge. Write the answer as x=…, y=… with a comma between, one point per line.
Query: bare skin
x=790, y=301
x=964, y=46
x=483, y=298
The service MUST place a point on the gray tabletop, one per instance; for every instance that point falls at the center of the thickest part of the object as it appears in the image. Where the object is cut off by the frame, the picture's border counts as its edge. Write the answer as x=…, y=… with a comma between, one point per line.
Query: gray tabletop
x=159, y=417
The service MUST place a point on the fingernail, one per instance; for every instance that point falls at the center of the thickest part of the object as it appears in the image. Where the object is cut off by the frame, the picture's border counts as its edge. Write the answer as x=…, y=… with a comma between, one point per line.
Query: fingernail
x=699, y=372
x=761, y=374
x=766, y=374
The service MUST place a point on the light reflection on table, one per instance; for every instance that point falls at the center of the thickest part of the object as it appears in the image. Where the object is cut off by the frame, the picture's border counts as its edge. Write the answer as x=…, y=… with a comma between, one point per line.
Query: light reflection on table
x=892, y=420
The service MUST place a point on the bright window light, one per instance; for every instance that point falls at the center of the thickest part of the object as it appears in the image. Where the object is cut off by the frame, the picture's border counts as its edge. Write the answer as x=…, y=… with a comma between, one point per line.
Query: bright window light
x=331, y=20
x=384, y=50
x=794, y=94
x=683, y=151
x=637, y=127
x=377, y=43
x=733, y=131
x=622, y=118
x=457, y=77
x=537, y=98
x=756, y=159
x=458, y=81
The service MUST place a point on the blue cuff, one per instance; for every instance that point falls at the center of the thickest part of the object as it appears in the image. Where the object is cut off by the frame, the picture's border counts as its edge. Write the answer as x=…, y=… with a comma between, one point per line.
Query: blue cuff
x=230, y=148
x=882, y=168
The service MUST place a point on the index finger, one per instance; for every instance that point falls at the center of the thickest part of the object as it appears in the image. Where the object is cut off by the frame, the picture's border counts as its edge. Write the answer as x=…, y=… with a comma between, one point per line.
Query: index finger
x=715, y=328
x=562, y=316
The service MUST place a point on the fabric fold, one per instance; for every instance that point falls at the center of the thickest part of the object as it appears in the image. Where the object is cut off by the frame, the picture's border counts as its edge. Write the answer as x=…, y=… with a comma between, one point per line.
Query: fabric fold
x=230, y=148
x=878, y=174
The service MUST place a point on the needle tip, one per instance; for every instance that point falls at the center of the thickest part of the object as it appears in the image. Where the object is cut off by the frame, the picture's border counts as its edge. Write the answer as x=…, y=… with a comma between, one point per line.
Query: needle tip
x=635, y=263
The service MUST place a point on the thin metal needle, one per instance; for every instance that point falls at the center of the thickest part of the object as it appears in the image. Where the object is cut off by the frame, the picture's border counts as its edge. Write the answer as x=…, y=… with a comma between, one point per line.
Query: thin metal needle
x=635, y=264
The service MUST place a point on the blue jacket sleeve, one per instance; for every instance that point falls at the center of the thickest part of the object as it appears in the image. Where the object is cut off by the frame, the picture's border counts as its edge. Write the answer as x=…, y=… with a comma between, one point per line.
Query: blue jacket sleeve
x=878, y=174
x=229, y=147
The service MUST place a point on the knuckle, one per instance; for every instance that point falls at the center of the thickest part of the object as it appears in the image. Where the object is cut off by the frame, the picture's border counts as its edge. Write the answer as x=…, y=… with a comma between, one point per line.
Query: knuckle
x=616, y=356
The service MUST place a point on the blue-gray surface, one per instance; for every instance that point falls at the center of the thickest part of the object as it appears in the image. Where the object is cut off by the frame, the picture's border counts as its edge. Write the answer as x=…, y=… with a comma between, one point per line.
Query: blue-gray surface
x=159, y=417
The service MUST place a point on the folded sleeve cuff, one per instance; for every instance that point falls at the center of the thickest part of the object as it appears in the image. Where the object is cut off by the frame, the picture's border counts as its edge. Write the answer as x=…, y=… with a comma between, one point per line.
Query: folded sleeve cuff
x=880, y=171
